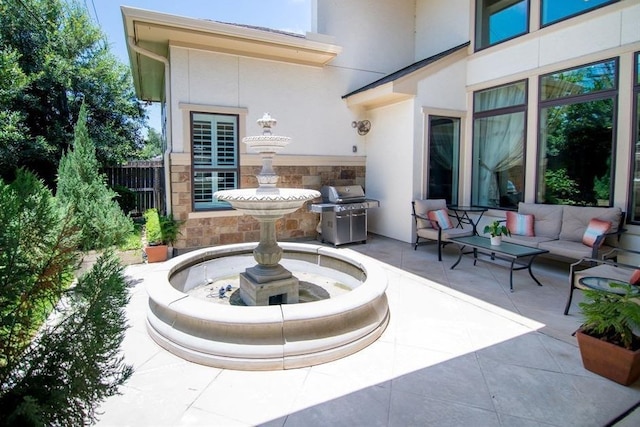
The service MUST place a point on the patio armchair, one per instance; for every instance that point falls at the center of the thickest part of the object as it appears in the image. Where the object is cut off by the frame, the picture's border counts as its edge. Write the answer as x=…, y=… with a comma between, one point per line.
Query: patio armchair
x=432, y=230
x=607, y=267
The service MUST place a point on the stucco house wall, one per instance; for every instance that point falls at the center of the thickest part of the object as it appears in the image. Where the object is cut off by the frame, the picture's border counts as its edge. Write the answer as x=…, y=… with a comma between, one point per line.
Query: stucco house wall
x=441, y=25
x=378, y=39
x=375, y=36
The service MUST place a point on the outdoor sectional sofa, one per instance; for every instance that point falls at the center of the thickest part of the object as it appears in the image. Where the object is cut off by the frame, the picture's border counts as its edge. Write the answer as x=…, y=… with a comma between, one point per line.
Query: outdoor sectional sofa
x=560, y=229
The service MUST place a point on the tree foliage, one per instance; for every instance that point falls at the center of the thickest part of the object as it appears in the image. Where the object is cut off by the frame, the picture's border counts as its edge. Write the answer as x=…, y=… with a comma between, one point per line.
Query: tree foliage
x=59, y=60
x=152, y=145
x=56, y=373
x=83, y=189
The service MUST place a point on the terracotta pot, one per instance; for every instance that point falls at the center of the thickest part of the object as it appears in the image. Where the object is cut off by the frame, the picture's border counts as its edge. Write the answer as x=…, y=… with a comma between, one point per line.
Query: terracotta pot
x=156, y=253
x=609, y=360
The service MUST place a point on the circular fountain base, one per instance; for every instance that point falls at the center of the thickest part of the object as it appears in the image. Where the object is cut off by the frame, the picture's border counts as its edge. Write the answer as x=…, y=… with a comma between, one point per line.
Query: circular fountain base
x=266, y=337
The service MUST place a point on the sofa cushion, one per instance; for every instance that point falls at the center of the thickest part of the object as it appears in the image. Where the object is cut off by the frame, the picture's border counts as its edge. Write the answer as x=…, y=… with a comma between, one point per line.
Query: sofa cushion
x=531, y=241
x=422, y=206
x=547, y=218
x=440, y=219
x=575, y=220
x=567, y=249
x=520, y=224
x=595, y=229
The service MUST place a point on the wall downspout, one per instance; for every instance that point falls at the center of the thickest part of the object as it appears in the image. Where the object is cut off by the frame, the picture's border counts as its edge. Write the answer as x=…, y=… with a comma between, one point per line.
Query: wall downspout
x=167, y=91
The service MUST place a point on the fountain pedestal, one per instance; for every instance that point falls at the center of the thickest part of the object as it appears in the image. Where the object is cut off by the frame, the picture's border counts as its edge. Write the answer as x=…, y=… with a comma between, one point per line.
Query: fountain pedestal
x=267, y=283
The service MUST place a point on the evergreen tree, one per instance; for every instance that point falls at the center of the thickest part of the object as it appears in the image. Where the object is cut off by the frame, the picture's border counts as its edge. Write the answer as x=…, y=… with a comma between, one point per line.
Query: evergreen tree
x=83, y=188
x=56, y=373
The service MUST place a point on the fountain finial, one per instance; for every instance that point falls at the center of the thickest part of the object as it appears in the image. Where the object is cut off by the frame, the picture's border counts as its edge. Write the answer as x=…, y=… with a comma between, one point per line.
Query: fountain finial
x=266, y=122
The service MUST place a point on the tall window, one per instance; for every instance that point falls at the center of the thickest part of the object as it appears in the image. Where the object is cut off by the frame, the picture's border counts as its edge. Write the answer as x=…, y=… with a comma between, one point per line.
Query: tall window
x=214, y=139
x=498, y=145
x=444, y=154
x=634, y=209
x=577, y=117
x=557, y=10
x=500, y=20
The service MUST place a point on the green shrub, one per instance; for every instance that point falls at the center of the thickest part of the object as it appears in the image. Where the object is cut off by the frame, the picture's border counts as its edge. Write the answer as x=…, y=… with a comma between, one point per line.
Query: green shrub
x=83, y=189
x=57, y=372
x=125, y=198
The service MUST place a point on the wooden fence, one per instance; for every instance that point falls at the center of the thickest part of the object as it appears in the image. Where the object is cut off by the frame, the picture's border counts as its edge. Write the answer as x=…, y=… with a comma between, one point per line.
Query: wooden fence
x=145, y=178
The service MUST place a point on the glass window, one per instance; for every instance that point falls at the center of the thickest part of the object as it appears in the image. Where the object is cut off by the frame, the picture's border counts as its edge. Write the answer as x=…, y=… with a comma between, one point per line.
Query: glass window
x=500, y=20
x=557, y=10
x=577, y=116
x=634, y=202
x=444, y=155
x=498, y=146
x=214, y=139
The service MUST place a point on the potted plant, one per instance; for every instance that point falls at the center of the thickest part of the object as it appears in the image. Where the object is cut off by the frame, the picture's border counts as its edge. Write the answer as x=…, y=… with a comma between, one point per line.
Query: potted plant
x=170, y=228
x=608, y=339
x=156, y=249
x=496, y=229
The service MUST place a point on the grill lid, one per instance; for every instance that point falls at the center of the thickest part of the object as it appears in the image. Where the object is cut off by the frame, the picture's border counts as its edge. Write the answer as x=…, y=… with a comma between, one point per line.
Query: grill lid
x=342, y=194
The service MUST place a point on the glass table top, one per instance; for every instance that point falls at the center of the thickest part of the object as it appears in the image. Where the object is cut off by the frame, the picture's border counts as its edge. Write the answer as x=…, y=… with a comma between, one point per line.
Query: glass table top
x=467, y=208
x=604, y=284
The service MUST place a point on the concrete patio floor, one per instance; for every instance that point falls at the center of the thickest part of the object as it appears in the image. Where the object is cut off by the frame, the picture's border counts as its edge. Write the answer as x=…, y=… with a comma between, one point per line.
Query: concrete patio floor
x=460, y=349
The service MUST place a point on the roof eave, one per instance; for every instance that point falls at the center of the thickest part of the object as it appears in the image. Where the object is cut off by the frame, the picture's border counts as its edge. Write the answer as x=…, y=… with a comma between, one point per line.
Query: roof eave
x=156, y=31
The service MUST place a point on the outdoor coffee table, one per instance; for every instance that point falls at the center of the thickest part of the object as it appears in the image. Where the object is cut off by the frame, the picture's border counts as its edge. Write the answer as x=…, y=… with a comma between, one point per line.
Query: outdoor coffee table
x=520, y=257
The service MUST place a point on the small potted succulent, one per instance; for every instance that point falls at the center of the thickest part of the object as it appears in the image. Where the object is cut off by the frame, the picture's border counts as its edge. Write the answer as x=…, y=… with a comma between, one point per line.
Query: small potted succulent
x=609, y=338
x=496, y=229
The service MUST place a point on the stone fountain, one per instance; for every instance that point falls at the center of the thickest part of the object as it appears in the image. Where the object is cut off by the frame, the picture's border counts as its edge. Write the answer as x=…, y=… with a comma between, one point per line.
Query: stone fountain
x=267, y=282
x=273, y=331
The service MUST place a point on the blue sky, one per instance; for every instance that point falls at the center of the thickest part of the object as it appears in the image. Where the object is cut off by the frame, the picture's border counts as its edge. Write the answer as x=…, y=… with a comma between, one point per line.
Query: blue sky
x=287, y=15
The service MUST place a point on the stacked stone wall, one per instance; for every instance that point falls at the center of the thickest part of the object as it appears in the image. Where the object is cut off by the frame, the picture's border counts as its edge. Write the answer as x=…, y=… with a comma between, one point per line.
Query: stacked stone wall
x=220, y=230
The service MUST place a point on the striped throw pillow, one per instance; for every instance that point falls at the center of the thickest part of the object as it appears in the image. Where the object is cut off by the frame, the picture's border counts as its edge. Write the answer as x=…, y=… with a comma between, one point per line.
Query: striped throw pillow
x=635, y=278
x=440, y=219
x=595, y=229
x=520, y=224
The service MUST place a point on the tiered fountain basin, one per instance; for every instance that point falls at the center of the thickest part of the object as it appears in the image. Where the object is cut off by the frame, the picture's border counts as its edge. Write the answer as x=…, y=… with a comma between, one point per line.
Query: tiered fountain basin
x=270, y=337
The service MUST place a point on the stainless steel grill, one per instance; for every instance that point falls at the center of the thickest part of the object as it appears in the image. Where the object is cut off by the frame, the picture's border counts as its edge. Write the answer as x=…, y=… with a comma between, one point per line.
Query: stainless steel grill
x=343, y=214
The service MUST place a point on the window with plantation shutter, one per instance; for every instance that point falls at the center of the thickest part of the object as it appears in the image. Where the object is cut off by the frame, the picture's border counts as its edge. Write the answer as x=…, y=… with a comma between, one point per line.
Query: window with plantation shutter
x=214, y=139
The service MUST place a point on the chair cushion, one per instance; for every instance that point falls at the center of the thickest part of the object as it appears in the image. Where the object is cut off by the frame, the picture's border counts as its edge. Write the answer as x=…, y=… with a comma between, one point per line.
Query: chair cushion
x=595, y=229
x=440, y=219
x=635, y=278
x=520, y=224
x=422, y=206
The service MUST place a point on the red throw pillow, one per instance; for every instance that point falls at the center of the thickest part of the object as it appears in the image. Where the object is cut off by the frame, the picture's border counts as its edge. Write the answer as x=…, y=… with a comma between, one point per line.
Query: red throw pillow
x=635, y=278
x=440, y=219
x=595, y=229
x=520, y=224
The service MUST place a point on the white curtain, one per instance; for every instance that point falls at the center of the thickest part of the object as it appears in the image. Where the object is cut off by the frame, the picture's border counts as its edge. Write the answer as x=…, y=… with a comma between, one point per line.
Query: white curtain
x=499, y=140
